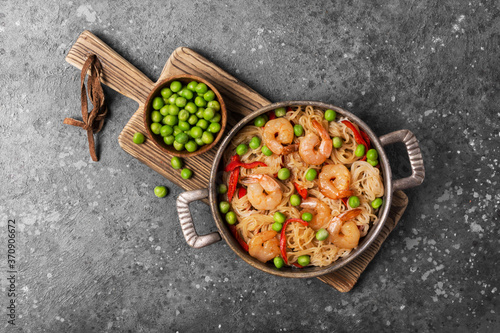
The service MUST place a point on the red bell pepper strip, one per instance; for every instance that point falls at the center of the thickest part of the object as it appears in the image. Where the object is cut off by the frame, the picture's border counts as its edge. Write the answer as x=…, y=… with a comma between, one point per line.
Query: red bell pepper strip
x=344, y=200
x=235, y=164
x=236, y=235
x=232, y=183
x=242, y=192
x=297, y=265
x=357, y=136
x=271, y=115
x=283, y=236
x=302, y=191
x=289, y=108
x=367, y=139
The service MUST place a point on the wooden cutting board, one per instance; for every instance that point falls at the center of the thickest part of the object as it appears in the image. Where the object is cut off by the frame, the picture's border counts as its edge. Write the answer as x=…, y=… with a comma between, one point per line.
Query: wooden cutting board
x=240, y=100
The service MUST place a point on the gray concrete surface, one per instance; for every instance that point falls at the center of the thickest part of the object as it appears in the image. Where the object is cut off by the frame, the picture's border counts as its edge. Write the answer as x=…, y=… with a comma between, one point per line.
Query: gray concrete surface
x=96, y=251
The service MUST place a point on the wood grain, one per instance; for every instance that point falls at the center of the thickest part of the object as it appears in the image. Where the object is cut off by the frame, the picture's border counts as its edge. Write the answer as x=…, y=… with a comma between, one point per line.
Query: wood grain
x=240, y=101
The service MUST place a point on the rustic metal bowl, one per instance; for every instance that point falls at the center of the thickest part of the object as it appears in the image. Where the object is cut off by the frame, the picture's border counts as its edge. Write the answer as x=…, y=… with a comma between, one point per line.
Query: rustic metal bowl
x=390, y=185
x=158, y=140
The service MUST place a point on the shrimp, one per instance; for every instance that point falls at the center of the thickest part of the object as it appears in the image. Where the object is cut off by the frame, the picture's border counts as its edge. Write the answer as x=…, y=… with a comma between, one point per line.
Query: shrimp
x=277, y=132
x=322, y=212
x=307, y=147
x=344, y=235
x=339, y=187
x=264, y=193
x=264, y=246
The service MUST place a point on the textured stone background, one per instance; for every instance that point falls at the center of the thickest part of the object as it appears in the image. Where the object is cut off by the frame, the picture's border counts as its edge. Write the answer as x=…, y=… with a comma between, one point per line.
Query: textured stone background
x=98, y=252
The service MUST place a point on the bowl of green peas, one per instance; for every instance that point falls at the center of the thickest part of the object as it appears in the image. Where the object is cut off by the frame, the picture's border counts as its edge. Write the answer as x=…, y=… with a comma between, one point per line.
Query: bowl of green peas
x=185, y=116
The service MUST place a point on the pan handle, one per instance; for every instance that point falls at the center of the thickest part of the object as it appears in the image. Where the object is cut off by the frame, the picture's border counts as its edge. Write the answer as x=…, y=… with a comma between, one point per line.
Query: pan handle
x=117, y=73
x=416, y=160
x=187, y=225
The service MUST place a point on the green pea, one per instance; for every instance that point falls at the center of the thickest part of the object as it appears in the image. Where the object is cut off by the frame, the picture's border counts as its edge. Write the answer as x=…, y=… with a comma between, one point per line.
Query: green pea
x=201, y=88
x=180, y=102
x=208, y=114
x=278, y=262
x=199, y=113
x=307, y=217
x=155, y=128
x=298, y=130
x=160, y=191
x=311, y=174
x=192, y=85
x=266, y=151
x=214, y=105
x=191, y=107
x=196, y=132
x=171, y=120
x=175, y=86
x=183, y=115
x=284, y=174
x=214, y=128
x=172, y=99
x=156, y=117
x=373, y=162
x=176, y=162
x=166, y=93
x=372, y=154
x=181, y=138
x=192, y=120
x=277, y=226
x=279, y=217
x=231, y=218
x=254, y=142
x=224, y=207
x=241, y=149
x=377, y=203
x=360, y=150
x=303, y=260
x=280, y=112
x=178, y=146
x=186, y=173
x=199, y=141
x=330, y=115
x=217, y=118
x=138, y=138
x=184, y=126
x=169, y=139
x=200, y=101
x=173, y=110
x=295, y=200
x=191, y=146
x=322, y=234
x=166, y=130
x=353, y=201
x=209, y=96
x=260, y=121
x=164, y=110
x=222, y=189
x=177, y=130
x=202, y=123
x=207, y=138
x=337, y=142
x=187, y=94
x=158, y=103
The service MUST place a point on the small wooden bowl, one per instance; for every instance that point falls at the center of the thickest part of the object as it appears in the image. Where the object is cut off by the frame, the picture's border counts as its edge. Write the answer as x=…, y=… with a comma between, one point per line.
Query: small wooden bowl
x=158, y=140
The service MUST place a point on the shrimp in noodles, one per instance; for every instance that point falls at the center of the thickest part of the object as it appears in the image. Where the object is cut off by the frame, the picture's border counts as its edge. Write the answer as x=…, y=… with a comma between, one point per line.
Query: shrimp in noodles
x=334, y=181
x=322, y=213
x=307, y=147
x=264, y=246
x=264, y=193
x=339, y=174
x=345, y=235
x=276, y=133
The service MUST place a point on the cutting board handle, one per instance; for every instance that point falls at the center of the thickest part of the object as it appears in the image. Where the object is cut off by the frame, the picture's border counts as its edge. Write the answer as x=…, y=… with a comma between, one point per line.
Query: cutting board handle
x=117, y=72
